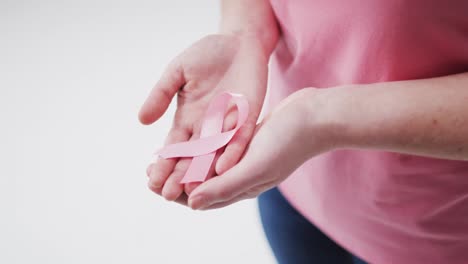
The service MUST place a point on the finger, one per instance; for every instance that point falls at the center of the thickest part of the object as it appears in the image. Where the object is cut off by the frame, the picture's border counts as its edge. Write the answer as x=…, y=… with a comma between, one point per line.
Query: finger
x=182, y=199
x=230, y=119
x=189, y=187
x=156, y=190
x=225, y=187
x=252, y=193
x=161, y=95
x=223, y=204
x=160, y=170
x=172, y=187
x=236, y=147
x=159, y=173
x=148, y=170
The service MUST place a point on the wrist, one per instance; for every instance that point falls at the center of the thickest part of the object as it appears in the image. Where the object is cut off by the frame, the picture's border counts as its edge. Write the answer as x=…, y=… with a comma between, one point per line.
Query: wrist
x=265, y=41
x=342, y=116
x=324, y=124
x=250, y=20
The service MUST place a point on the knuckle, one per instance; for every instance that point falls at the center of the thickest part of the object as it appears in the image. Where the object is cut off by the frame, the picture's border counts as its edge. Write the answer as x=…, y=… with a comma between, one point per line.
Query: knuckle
x=243, y=137
x=255, y=191
x=171, y=192
x=188, y=88
x=233, y=148
x=176, y=134
x=166, y=94
x=182, y=165
x=172, y=181
x=239, y=143
x=251, y=194
x=172, y=196
x=174, y=69
x=222, y=194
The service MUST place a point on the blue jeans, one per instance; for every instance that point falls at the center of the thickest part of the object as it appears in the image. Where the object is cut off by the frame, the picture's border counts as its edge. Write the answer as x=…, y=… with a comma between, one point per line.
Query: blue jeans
x=293, y=239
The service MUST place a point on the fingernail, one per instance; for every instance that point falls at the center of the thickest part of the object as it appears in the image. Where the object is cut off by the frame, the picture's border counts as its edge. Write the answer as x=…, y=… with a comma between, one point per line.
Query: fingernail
x=197, y=202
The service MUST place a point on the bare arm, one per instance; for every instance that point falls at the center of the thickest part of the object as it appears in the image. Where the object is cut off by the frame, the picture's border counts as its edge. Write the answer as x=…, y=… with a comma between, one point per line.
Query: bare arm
x=250, y=18
x=427, y=117
x=210, y=66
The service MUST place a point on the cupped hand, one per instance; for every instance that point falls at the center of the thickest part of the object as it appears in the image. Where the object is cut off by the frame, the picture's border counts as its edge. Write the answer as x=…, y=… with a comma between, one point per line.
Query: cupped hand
x=214, y=64
x=296, y=130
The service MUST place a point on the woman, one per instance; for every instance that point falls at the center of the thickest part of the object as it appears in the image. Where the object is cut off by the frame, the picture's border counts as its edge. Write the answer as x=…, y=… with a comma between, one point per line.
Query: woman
x=377, y=161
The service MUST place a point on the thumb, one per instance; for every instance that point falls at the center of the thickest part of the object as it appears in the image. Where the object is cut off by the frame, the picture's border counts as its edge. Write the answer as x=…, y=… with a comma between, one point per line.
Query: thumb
x=161, y=95
x=232, y=183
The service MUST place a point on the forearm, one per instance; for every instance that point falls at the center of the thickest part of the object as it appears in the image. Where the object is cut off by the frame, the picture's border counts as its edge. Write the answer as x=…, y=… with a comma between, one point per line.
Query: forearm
x=427, y=117
x=253, y=19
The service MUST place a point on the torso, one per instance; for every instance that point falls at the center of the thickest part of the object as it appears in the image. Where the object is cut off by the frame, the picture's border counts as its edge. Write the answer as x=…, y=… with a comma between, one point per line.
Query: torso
x=384, y=207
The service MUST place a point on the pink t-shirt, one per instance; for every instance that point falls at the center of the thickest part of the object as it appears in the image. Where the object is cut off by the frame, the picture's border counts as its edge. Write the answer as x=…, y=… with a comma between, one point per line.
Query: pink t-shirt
x=384, y=207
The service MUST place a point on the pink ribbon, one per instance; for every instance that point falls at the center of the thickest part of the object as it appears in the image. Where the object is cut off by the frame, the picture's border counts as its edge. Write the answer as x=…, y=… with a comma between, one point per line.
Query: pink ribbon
x=203, y=150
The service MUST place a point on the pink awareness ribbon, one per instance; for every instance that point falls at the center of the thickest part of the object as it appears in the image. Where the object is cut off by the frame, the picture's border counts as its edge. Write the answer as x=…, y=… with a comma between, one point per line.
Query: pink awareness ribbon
x=203, y=150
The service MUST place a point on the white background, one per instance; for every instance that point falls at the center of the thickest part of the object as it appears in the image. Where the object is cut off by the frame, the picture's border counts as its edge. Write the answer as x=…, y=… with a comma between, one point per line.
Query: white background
x=73, y=75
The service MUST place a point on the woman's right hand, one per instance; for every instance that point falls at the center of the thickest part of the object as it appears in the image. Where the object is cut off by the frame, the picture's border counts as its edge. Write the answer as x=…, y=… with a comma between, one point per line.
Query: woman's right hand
x=214, y=64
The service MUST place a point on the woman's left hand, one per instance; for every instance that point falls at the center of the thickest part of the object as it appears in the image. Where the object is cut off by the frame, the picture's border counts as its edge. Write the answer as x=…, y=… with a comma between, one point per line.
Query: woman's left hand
x=294, y=131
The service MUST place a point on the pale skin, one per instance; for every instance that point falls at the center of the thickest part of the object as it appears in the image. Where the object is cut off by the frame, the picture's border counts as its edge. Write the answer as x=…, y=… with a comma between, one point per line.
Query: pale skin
x=426, y=117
